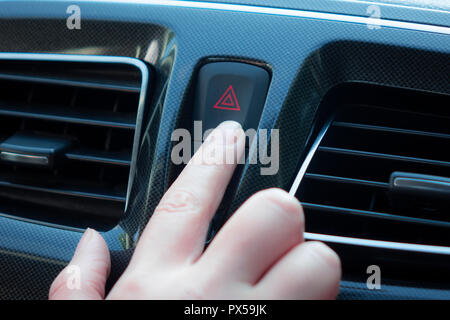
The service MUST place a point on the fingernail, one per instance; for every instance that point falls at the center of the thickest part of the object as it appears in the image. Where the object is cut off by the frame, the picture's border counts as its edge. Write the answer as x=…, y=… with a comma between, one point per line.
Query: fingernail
x=285, y=198
x=86, y=238
x=228, y=132
x=286, y=203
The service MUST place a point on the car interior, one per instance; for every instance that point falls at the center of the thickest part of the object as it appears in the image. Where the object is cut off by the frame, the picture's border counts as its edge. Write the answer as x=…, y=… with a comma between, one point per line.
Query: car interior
x=357, y=91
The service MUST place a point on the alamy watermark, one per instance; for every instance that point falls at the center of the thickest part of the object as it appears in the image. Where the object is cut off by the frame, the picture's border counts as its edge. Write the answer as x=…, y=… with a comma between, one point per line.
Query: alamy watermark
x=374, y=13
x=374, y=280
x=73, y=21
x=264, y=150
x=74, y=278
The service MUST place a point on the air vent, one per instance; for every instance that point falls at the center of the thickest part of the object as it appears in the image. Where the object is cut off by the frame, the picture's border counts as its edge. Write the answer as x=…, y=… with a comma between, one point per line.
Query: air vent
x=68, y=130
x=380, y=166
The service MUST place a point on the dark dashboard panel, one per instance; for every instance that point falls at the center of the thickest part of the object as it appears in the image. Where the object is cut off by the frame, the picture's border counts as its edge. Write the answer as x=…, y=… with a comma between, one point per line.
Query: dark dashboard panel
x=307, y=54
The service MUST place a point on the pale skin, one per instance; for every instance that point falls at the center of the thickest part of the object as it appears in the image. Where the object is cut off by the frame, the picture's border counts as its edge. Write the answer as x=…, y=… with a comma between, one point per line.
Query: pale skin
x=259, y=253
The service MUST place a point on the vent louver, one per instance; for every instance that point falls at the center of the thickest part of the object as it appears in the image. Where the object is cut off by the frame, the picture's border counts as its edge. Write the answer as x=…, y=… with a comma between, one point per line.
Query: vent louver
x=95, y=105
x=374, y=135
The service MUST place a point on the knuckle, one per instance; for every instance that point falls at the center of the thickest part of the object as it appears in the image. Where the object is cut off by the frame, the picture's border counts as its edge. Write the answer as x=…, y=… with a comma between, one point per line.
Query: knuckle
x=133, y=285
x=204, y=287
x=128, y=288
x=178, y=201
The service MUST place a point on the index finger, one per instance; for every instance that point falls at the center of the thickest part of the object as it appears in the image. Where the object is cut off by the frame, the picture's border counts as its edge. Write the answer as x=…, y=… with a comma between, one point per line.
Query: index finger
x=177, y=230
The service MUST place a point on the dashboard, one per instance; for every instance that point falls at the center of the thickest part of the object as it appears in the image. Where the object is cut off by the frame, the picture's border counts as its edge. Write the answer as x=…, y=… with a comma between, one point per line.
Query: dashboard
x=359, y=92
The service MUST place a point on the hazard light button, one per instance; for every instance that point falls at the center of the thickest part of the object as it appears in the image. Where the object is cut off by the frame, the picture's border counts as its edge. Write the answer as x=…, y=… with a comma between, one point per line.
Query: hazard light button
x=230, y=91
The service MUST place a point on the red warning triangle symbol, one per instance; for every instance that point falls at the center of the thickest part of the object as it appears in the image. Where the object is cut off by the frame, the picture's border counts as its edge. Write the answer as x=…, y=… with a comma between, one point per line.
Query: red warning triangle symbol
x=228, y=100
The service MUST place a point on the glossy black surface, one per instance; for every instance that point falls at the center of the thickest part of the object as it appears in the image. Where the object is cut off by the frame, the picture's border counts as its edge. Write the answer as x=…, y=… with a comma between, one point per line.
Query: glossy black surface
x=306, y=57
x=230, y=91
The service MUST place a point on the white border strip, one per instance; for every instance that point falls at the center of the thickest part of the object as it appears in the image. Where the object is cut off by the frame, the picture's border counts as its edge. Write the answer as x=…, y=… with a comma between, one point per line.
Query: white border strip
x=288, y=12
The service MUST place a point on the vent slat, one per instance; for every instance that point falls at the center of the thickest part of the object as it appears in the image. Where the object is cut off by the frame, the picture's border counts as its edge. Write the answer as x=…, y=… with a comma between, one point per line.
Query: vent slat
x=374, y=214
x=117, y=158
x=92, y=118
x=390, y=129
x=361, y=182
x=74, y=193
x=383, y=156
x=82, y=83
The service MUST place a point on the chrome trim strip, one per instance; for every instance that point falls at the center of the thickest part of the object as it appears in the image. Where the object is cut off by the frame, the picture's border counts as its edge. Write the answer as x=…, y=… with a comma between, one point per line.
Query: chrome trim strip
x=308, y=159
x=101, y=59
x=378, y=243
x=289, y=13
x=356, y=241
x=24, y=158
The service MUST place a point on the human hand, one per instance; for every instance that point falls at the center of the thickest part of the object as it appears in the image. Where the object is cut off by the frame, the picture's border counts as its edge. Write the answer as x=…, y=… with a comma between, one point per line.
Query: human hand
x=258, y=254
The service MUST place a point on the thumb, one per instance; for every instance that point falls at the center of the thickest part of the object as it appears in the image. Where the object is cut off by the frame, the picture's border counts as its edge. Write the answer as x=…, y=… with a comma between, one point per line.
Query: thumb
x=85, y=276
